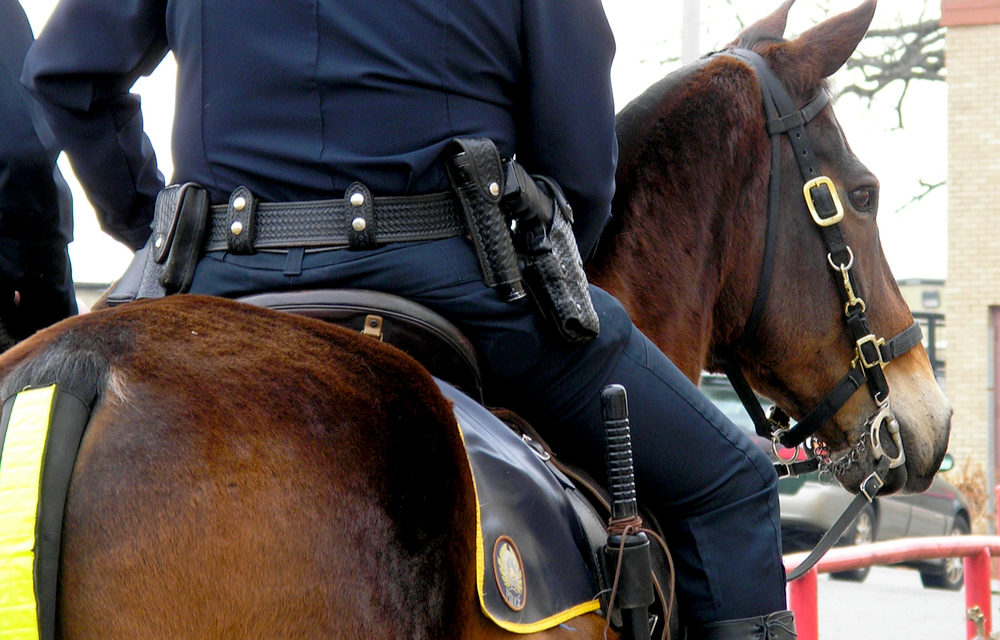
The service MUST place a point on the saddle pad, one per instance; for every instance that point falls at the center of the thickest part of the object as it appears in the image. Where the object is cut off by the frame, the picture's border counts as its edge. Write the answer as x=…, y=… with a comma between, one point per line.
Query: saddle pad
x=40, y=432
x=536, y=566
x=20, y=486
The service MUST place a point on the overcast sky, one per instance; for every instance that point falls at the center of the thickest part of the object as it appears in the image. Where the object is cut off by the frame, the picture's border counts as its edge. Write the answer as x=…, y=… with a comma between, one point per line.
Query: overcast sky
x=648, y=34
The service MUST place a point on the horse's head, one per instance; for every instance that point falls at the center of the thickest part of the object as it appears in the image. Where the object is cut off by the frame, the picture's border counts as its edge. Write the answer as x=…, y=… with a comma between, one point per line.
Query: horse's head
x=832, y=295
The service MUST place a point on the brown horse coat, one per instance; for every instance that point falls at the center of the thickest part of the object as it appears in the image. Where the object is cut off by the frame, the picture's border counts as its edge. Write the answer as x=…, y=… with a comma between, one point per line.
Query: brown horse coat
x=320, y=442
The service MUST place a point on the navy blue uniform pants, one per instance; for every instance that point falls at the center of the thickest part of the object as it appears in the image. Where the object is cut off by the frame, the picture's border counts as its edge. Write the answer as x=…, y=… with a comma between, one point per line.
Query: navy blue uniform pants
x=712, y=490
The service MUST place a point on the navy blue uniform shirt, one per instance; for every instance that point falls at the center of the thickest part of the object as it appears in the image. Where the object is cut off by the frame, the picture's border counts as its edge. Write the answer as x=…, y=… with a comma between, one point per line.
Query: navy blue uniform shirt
x=36, y=217
x=298, y=99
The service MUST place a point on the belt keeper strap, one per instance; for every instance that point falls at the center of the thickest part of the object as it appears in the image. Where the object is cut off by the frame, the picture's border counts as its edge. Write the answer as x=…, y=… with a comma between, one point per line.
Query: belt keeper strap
x=361, y=219
x=242, y=214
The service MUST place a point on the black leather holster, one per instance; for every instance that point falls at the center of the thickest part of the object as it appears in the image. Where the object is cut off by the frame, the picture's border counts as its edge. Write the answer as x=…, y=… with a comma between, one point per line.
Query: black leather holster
x=476, y=175
x=167, y=262
x=550, y=259
x=521, y=227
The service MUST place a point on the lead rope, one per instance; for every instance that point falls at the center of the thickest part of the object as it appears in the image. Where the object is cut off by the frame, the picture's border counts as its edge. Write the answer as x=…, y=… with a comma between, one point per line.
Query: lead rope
x=668, y=604
x=599, y=498
x=623, y=528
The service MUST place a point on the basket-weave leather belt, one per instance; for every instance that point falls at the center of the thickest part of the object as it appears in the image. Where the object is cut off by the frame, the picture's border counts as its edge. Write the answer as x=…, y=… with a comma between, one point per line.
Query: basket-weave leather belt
x=357, y=221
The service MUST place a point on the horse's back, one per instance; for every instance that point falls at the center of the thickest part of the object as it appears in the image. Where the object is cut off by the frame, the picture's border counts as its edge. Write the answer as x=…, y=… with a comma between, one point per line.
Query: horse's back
x=244, y=474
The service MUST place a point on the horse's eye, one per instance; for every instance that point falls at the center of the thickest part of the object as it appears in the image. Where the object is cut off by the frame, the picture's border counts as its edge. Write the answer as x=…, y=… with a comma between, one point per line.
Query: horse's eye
x=864, y=199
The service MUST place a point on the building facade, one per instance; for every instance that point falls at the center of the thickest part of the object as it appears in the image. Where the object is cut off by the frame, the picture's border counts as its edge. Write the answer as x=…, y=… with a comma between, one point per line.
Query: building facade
x=926, y=300
x=973, y=284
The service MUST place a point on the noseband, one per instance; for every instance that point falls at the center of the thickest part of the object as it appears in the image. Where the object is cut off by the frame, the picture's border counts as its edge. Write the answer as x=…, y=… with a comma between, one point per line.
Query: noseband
x=872, y=354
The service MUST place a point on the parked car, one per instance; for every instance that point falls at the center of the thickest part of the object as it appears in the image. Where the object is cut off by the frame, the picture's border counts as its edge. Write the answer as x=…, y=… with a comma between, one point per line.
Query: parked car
x=810, y=507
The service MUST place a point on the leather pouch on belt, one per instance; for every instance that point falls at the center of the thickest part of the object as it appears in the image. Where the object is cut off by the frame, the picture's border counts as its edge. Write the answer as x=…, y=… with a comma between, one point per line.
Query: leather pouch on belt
x=179, y=226
x=144, y=276
x=476, y=175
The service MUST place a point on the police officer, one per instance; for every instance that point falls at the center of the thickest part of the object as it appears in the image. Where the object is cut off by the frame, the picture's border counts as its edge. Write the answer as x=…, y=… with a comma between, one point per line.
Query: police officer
x=36, y=224
x=299, y=100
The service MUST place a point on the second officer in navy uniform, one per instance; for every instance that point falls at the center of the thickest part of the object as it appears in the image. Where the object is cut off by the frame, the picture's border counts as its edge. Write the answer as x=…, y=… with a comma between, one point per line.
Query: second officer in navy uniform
x=36, y=208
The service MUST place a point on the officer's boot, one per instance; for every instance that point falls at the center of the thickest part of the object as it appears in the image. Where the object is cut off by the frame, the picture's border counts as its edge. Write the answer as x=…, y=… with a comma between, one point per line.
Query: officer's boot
x=779, y=625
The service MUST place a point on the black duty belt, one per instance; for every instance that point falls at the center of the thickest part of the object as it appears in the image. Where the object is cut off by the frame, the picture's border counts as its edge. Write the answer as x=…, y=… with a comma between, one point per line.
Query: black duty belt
x=357, y=221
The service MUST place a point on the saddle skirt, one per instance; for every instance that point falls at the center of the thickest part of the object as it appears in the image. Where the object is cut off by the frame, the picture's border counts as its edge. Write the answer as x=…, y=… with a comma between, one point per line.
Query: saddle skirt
x=539, y=539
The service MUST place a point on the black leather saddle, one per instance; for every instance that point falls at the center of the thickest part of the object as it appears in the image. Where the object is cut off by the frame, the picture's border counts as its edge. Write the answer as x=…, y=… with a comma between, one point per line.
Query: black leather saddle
x=421, y=333
x=557, y=552
x=538, y=567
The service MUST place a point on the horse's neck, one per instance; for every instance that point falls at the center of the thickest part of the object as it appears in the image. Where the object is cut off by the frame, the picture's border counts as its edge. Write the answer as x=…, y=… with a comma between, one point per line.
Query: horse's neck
x=679, y=252
x=667, y=280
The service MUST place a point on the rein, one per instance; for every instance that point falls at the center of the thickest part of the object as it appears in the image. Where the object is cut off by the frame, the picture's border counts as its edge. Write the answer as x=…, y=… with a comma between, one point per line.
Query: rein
x=872, y=353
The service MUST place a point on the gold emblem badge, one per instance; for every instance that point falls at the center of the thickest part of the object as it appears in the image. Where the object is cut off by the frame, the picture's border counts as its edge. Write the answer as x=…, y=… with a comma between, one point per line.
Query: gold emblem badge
x=508, y=569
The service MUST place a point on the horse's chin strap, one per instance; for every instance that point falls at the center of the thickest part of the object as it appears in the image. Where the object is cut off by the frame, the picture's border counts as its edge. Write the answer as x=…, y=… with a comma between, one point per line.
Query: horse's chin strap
x=775, y=425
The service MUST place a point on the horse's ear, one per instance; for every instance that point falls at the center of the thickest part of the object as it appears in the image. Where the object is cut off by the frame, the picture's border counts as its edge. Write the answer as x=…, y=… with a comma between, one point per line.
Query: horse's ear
x=827, y=46
x=771, y=28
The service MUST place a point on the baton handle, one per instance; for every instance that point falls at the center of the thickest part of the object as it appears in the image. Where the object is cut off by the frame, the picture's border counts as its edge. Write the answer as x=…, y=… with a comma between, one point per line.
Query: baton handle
x=618, y=437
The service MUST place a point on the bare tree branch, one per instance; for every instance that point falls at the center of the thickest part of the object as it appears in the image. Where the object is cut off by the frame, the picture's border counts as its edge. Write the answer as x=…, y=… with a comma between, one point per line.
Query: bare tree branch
x=907, y=53
x=927, y=187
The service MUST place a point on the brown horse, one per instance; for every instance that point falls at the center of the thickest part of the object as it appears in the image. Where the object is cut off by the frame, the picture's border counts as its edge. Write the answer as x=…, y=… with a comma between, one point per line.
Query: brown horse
x=684, y=250
x=246, y=473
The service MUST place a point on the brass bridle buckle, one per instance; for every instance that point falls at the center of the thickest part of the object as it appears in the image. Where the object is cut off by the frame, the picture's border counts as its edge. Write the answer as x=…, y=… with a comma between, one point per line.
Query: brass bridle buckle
x=876, y=345
x=823, y=181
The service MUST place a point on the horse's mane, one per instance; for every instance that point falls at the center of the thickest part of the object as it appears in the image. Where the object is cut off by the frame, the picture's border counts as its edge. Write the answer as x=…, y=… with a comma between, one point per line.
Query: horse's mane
x=678, y=126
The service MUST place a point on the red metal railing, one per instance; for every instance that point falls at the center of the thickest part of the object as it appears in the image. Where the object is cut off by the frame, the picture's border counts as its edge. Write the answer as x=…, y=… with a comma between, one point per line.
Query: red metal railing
x=975, y=550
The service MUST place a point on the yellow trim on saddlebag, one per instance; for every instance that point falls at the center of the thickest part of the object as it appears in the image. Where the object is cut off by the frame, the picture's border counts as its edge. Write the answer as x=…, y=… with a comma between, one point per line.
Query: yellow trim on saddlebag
x=20, y=479
x=514, y=627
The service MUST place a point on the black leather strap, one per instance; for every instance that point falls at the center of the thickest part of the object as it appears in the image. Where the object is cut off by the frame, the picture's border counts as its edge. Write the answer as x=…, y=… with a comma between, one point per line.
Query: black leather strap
x=796, y=468
x=868, y=490
x=242, y=218
x=902, y=342
x=331, y=224
x=825, y=410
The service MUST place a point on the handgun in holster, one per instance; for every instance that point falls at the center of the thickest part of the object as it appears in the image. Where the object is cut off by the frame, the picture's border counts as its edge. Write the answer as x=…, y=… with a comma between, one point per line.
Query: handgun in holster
x=520, y=225
x=550, y=259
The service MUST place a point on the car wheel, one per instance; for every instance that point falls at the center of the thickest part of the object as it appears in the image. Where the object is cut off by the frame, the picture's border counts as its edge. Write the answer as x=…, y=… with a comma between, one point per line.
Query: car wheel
x=862, y=532
x=952, y=577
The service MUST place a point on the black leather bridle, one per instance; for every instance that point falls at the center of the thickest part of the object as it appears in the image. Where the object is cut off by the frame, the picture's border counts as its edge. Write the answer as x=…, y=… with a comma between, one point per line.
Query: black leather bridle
x=872, y=353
